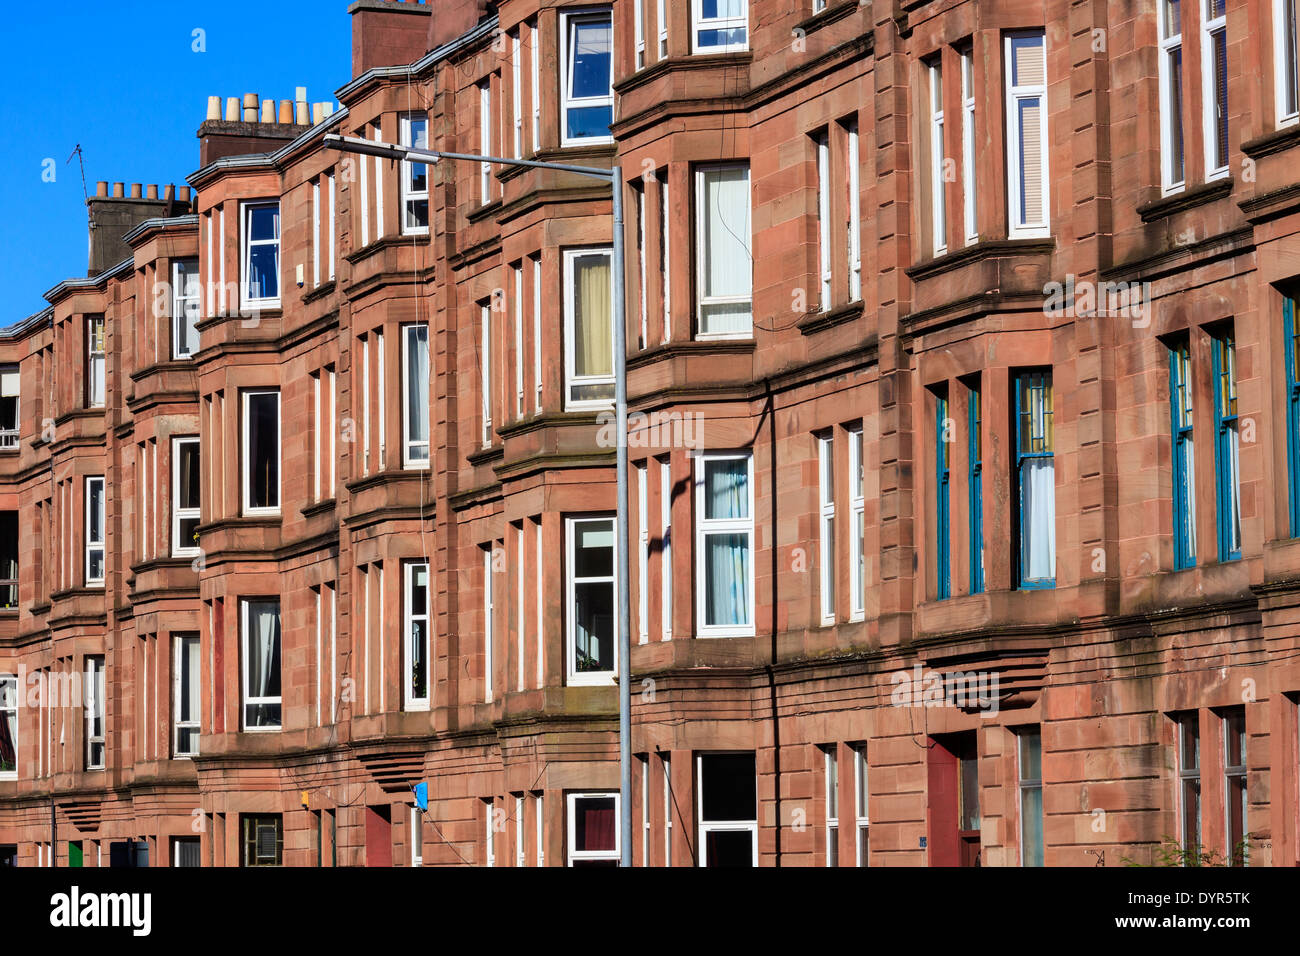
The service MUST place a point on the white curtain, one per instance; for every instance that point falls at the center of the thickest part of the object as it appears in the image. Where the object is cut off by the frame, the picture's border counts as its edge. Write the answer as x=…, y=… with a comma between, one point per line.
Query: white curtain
x=727, y=586
x=1234, y=487
x=727, y=266
x=723, y=8
x=1191, y=496
x=726, y=489
x=1038, y=507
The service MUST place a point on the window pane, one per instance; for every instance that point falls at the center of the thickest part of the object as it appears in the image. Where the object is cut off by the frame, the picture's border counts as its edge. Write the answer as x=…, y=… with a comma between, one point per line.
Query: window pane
x=593, y=333
x=1031, y=160
x=729, y=783
x=1031, y=826
x=1038, y=510
x=727, y=270
x=726, y=488
x=263, y=450
x=1027, y=61
x=262, y=663
x=726, y=579
x=730, y=847
x=417, y=391
x=594, y=823
x=593, y=545
x=592, y=52
x=593, y=624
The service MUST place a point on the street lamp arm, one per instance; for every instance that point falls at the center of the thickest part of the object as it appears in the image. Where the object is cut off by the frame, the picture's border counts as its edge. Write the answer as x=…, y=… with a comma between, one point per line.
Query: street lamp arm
x=355, y=144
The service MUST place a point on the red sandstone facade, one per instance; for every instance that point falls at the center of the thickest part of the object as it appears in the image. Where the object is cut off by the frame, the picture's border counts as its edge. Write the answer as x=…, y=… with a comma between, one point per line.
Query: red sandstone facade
x=881, y=166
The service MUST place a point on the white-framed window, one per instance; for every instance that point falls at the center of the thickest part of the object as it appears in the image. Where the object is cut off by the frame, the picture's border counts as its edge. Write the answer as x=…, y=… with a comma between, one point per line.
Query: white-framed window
x=539, y=824
x=1214, y=85
x=665, y=256
x=185, y=695
x=489, y=833
x=415, y=396
x=517, y=273
x=718, y=26
x=860, y=795
x=638, y=16
x=638, y=190
x=593, y=837
x=826, y=524
x=380, y=232
x=489, y=638
x=831, y=776
x=971, y=229
x=535, y=59
x=666, y=762
x=819, y=6
x=666, y=549
x=537, y=329
x=1029, y=765
x=540, y=609
x=417, y=837
x=261, y=451
x=259, y=238
x=857, y=528
x=854, y=205
x=592, y=625
x=938, y=199
x=661, y=15
x=587, y=78
x=187, y=291
x=728, y=809
x=414, y=133
x=259, y=661
x=185, y=496
x=485, y=372
x=485, y=140
x=8, y=727
x=95, y=361
x=186, y=851
x=643, y=763
x=521, y=854
x=724, y=264
x=1028, y=186
x=95, y=697
x=516, y=93
x=822, y=140
x=315, y=233
x=588, y=328
x=521, y=635
x=1286, y=74
x=1170, y=73
x=724, y=545
x=330, y=224
x=10, y=392
x=643, y=554
x=95, y=531
x=415, y=636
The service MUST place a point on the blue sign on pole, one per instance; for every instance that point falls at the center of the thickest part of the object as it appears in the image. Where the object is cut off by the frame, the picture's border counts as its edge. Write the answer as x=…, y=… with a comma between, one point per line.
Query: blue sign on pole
x=422, y=795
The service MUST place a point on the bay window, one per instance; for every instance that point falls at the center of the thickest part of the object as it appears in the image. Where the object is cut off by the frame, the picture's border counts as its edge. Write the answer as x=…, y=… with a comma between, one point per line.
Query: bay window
x=724, y=265
x=414, y=132
x=1028, y=186
x=589, y=329
x=718, y=26
x=724, y=545
x=185, y=496
x=260, y=663
x=186, y=293
x=938, y=201
x=1036, y=480
x=95, y=531
x=261, y=451
x=415, y=396
x=587, y=80
x=589, y=584
x=260, y=254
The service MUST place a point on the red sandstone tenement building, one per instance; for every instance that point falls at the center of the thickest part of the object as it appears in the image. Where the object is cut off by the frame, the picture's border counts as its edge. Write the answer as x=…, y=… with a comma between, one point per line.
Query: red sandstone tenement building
x=310, y=482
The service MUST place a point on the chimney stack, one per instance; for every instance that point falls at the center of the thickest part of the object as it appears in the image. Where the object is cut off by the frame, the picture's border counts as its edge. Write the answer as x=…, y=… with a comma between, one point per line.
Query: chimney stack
x=251, y=124
x=113, y=215
x=389, y=33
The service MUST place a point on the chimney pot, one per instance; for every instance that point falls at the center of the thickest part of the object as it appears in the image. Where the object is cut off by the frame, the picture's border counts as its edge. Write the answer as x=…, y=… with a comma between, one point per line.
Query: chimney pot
x=151, y=191
x=300, y=112
x=101, y=188
x=119, y=190
x=268, y=111
x=168, y=192
x=286, y=111
x=250, y=107
x=184, y=194
x=300, y=94
x=135, y=190
x=214, y=108
x=232, y=109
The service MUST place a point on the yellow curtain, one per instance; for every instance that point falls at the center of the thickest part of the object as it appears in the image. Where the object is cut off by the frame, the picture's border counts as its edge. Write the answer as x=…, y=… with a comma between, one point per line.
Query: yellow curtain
x=593, y=346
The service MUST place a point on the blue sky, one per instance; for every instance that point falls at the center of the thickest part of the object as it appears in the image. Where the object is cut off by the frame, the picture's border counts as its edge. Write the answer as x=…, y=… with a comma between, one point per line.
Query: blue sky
x=123, y=80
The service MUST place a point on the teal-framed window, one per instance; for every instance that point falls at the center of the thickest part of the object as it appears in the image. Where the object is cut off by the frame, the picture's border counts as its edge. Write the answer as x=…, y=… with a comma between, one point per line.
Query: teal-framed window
x=975, y=485
x=1291, y=332
x=1035, y=480
x=942, y=478
x=1227, y=446
x=1184, y=459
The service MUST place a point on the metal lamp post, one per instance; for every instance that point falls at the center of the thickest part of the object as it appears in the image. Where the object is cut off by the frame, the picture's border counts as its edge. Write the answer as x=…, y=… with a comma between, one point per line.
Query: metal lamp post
x=613, y=176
